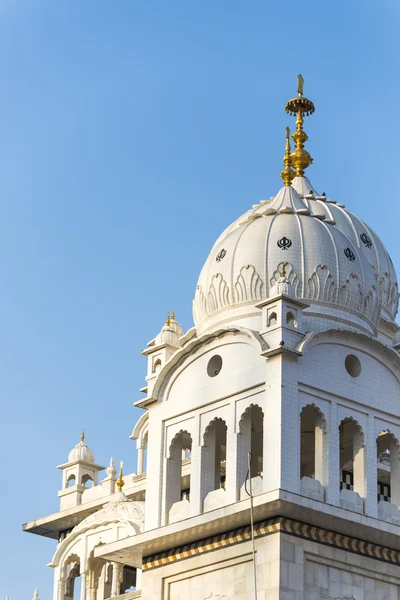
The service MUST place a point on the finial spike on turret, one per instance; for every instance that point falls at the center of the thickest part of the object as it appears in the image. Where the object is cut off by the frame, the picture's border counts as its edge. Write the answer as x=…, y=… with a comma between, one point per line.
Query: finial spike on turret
x=300, y=107
x=283, y=270
x=36, y=594
x=168, y=320
x=288, y=173
x=173, y=315
x=83, y=435
x=300, y=84
x=120, y=480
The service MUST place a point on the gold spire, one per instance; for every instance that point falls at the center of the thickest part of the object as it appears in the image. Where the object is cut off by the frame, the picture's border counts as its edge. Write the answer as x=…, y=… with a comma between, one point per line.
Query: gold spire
x=287, y=174
x=120, y=481
x=283, y=270
x=173, y=315
x=83, y=435
x=300, y=107
x=168, y=321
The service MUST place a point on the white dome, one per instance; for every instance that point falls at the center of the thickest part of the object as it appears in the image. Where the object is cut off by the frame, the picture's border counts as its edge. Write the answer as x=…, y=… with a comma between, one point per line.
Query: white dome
x=325, y=267
x=120, y=508
x=170, y=333
x=81, y=452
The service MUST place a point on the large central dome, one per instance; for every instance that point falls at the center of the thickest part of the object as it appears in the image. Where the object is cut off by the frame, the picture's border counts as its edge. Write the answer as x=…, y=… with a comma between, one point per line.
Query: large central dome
x=335, y=262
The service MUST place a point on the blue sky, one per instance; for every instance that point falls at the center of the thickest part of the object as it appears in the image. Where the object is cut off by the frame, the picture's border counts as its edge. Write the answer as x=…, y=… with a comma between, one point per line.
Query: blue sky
x=131, y=134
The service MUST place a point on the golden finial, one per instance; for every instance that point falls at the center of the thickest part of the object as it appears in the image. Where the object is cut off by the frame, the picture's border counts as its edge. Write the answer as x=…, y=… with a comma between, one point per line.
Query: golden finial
x=283, y=270
x=83, y=435
x=120, y=481
x=173, y=315
x=168, y=321
x=300, y=107
x=287, y=174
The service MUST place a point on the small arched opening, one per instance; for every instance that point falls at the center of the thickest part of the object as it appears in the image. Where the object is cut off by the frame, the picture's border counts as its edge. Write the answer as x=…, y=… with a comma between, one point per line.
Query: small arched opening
x=72, y=579
x=250, y=440
x=157, y=365
x=214, y=458
x=272, y=319
x=87, y=481
x=388, y=468
x=71, y=481
x=291, y=319
x=313, y=452
x=352, y=459
x=178, y=477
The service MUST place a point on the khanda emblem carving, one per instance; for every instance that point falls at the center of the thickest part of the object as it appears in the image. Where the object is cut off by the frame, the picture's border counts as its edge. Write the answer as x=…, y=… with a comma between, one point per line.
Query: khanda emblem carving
x=221, y=255
x=365, y=240
x=350, y=255
x=284, y=243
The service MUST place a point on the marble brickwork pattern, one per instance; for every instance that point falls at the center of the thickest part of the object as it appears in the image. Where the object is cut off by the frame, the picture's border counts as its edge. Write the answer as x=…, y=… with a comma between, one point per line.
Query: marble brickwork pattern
x=269, y=527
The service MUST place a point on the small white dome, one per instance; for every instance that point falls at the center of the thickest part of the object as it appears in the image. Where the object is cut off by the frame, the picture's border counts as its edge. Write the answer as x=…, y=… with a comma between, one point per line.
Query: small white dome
x=170, y=333
x=81, y=452
x=324, y=266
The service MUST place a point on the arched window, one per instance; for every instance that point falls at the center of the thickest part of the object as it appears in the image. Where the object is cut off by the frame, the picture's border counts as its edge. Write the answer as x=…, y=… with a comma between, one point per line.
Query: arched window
x=71, y=481
x=72, y=579
x=87, y=481
x=251, y=440
x=157, y=365
x=352, y=457
x=272, y=319
x=214, y=457
x=312, y=444
x=178, y=475
x=388, y=468
x=313, y=453
x=291, y=319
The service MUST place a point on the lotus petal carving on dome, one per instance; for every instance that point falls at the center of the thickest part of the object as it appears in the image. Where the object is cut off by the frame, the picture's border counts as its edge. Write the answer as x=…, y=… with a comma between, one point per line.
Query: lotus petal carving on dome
x=372, y=305
x=199, y=304
x=218, y=294
x=291, y=276
x=249, y=285
x=321, y=285
x=351, y=293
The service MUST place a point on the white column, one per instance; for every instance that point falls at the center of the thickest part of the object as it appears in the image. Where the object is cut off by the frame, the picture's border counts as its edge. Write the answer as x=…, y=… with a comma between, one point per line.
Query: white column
x=321, y=462
x=359, y=464
x=208, y=465
x=333, y=491
x=116, y=576
x=173, y=469
x=231, y=465
x=395, y=474
x=272, y=446
x=61, y=589
x=371, y=499
x=195, y=471
x=140, y=462
x=138, y=579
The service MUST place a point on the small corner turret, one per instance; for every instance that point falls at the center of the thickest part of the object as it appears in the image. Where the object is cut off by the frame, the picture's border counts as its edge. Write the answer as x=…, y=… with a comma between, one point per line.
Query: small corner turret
x=160, y=350
x=282, y=317
x=79, y=473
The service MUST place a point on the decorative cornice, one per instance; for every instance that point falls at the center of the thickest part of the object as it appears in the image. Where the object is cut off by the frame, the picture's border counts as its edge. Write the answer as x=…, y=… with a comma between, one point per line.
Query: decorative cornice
x=270, y=527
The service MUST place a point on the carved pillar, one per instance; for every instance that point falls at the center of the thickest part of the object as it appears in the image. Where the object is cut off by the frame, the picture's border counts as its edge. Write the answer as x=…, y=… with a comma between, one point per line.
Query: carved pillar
x=116, y=578
x=140, y=463
x=61, y=589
